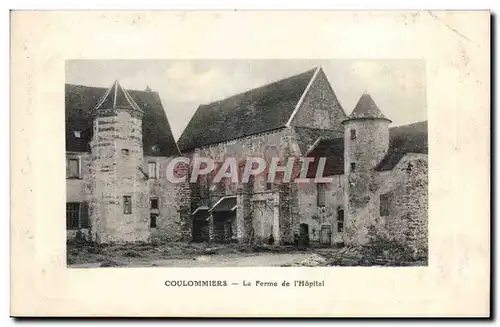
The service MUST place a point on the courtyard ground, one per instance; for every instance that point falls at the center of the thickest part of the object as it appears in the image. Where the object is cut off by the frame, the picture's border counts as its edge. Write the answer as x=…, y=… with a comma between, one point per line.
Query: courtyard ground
x=214, y=255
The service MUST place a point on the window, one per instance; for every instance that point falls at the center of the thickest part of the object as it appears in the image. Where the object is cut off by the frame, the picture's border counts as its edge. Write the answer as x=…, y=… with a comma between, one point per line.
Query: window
x=153, y=220
x=78, y=134
x=408, y=169
x=153, y=203
x=127, y=205
x=321, y=194
x=152, y=169
x=73, y=168
x=385, y=202
x=125, y=152
x=77, y=215
x=353, y=134
x=353, y=167
x=269, y=186
x=340, y=220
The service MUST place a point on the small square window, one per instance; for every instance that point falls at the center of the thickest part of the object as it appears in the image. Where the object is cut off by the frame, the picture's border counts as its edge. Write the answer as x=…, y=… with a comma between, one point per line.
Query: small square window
x=125, y=152
x=152, y=170
x=153, y=220
x=353, y=167
x=153, y=203
x=78, y=134
x=127, y=205
x=353, y=134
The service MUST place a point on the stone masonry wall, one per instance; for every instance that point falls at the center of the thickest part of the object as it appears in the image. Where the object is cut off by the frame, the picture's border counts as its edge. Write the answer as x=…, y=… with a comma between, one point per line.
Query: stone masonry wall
x=315, y=216
x=117, y=160
x=173, y=222
x=320, y=107
x=365, y=151
x=281, y=143
x=407, y=220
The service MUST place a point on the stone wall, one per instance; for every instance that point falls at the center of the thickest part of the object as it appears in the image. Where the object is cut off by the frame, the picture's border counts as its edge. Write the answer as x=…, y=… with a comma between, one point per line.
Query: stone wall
x=117, y=171
x=320, y=107
x=407, y=220
x=316, y=216
x=173, y=222
x=365, y=151
x=255, y=200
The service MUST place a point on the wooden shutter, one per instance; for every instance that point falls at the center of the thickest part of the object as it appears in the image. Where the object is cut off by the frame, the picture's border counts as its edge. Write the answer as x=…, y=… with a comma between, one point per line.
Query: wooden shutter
x=84, y=215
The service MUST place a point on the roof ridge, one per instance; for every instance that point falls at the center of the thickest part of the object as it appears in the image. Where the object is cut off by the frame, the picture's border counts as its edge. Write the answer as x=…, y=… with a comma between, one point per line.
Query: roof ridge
x=409, y=124
x=104, y=87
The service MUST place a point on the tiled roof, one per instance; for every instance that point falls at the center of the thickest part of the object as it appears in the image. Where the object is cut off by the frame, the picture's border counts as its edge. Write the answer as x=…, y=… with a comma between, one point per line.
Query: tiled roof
x=259, y=110
x=412, y=138
x=333, y=150
x=366, y=108
x=308, y=136
x=80, y=100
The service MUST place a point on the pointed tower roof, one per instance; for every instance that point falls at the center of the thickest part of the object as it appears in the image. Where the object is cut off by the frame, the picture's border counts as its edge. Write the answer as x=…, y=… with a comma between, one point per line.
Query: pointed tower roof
x=366, y=109
x=116, y=97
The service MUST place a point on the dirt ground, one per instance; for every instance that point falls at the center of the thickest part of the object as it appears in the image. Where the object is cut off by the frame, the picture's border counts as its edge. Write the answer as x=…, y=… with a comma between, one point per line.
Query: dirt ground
x=210, y=255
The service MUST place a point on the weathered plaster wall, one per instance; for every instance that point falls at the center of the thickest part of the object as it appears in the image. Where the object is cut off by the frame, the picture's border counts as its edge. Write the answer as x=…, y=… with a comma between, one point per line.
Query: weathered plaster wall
x=173, y=222
x=366, y=150
x=281, y=143
x=117, y=155
x=265, y=214
x=78, y=190
x=315, y=216
x=407, y=221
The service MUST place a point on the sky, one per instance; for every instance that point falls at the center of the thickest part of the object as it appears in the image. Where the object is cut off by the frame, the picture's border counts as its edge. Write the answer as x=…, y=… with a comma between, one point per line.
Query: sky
x=397, y=86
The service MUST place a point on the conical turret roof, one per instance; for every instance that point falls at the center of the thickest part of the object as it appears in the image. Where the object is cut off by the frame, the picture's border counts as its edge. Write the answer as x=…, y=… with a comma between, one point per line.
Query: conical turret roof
x=116, y=97
x=366, y=108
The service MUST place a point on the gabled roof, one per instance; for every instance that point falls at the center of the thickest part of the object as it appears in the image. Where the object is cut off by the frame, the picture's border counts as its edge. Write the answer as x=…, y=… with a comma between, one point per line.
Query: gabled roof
x=412, y=138
x=116, y=97
x=366, y=108
x=259, y=110
x=80, y=100
x=404, y=139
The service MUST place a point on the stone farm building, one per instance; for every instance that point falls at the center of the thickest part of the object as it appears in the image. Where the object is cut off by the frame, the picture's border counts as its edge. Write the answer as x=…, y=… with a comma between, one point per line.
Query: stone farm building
x=118, y=143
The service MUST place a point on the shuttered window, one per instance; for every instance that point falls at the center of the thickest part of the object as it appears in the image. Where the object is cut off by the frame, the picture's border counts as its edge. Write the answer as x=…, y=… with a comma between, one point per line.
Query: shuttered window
x=77, y=215
x=73, y=168
x=152, y=169
x=340, y=220
x=153, y=220
x=321, y=194
x=385, y=203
